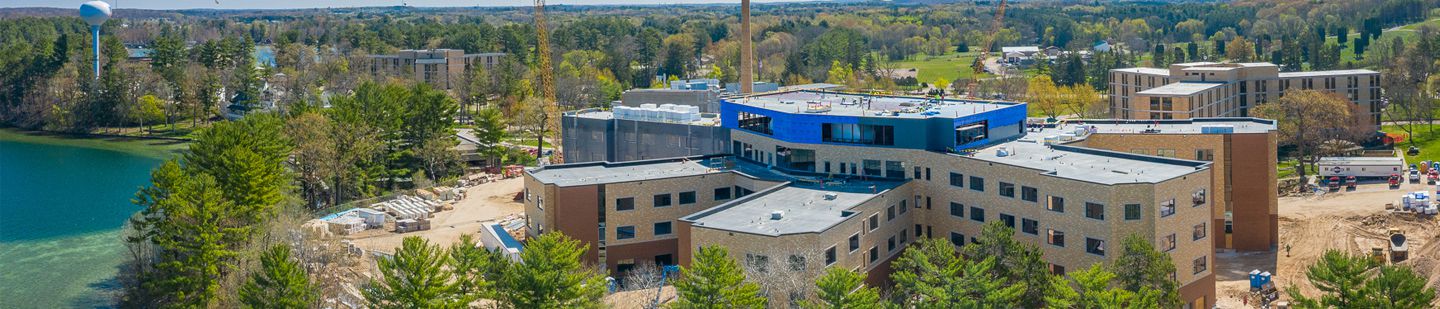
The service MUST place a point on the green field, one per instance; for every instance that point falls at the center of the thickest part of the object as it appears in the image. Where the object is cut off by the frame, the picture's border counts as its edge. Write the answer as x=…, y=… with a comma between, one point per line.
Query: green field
x=951, y=66
x=160, y=149
x=1425, y=138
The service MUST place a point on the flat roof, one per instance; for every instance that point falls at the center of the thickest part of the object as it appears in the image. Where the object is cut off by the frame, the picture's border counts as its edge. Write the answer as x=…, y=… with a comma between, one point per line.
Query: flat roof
x=1020, y=49
x=1326, y=73
x=1361, y=160
x=1181, y=88
x=607, y=115
x=592, y=173
x=1151, y=71
x=804, y=208
x=1086, y=164
x=851, y=104
x=1176, y=126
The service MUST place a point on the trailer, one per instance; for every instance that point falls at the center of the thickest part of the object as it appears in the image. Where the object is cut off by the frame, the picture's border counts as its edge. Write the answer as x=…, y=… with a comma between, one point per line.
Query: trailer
x=1362, y=167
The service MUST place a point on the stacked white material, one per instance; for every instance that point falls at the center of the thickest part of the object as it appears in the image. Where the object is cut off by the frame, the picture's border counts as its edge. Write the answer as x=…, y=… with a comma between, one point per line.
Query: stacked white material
x=409, y=207
x=347, y=225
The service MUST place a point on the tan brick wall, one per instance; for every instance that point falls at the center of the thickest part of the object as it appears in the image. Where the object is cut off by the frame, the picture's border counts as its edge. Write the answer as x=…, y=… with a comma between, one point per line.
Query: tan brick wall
x=1362, y=89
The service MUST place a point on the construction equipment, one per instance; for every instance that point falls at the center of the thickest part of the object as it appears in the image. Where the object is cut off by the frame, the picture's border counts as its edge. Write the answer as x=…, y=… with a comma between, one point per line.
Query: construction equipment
x=550, y=106
x=979, y=65
x=1399, y=249
x=1350, y=183
x=1377, y=255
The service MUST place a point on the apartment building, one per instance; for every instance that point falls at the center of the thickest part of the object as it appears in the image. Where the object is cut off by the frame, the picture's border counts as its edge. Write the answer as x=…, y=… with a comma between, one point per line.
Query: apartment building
x=442, y=68
x=1208, y=89
x=1245, y=199
x=818, y=179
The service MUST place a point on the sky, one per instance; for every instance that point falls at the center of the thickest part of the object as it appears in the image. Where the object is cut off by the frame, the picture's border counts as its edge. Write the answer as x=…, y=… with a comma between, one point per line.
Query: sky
x=293, y=4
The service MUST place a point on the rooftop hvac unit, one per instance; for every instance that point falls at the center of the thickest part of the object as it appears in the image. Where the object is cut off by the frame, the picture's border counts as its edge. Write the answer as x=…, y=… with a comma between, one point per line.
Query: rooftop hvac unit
x=777, y=215
x=1217, y=129
x=831, y=195
x=1002, y=152
x=648, y=105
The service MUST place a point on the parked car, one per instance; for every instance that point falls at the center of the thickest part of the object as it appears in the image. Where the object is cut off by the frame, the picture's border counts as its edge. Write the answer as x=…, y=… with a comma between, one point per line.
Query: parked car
x=1414, y=175
x=1350, y=183
x=1394, y=181
x=1334, y=183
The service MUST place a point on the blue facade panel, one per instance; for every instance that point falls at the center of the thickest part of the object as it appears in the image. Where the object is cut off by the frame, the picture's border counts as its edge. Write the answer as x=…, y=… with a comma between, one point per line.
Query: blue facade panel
x=934, y=133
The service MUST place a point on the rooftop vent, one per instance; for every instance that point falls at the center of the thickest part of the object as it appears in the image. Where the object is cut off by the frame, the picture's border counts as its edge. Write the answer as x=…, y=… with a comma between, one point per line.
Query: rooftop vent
x=1002, y=152
x=777, y=215
x=831, y=195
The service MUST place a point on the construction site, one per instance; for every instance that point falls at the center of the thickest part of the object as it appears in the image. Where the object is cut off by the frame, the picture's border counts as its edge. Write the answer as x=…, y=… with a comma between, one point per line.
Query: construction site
x=1360, y=221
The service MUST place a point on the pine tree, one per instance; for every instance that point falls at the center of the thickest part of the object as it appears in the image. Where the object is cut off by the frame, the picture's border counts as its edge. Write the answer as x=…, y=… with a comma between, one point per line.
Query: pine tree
x=185, y=218
x=475, y=267
x=1339, y=277
x=841, y=288
x=930, y=274
x=1397, y=286
x=415, y=278
x=1140, y=266
x=1094, y=290
x=1020, y=264
x=280, y=283
x=714, y=280
x=550, y=275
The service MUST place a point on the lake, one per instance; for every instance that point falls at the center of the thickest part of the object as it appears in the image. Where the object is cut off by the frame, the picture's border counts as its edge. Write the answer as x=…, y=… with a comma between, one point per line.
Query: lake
x=61, y=209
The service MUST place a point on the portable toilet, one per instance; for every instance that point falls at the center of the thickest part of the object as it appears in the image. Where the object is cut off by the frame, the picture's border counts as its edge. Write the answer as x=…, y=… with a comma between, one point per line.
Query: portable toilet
x=1259, y=279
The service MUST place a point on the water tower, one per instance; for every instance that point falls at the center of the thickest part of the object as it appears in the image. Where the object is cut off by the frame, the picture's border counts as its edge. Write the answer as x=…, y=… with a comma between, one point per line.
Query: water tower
x=95, y=13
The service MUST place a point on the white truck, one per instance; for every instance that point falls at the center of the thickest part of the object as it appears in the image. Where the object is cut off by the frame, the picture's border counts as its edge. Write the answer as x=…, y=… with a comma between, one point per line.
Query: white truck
x=1361, y=167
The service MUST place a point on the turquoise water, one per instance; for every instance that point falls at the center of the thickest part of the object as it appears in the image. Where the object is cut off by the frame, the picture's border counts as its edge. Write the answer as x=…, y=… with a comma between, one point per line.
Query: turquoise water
x=61, y=209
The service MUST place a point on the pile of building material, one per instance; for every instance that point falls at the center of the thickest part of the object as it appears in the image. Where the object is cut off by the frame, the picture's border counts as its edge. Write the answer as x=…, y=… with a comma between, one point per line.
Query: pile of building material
x=408, y=207
x=354, y=220
x=411, y=225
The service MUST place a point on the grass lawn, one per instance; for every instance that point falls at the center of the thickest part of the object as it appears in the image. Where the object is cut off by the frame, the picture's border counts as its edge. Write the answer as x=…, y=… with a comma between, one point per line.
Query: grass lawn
x=1427, y=140
x=951, y=66
x=160, y=149
x=1286, y=169
x=529, y=141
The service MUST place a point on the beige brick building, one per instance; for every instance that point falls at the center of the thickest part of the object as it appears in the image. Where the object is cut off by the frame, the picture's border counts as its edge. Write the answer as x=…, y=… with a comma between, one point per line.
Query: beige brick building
x=442, y=68
x=1207, y=89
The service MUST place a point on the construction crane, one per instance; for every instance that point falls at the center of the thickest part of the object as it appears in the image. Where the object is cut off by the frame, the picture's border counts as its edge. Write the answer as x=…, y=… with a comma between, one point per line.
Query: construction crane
x=550, y=106
x=979, y=65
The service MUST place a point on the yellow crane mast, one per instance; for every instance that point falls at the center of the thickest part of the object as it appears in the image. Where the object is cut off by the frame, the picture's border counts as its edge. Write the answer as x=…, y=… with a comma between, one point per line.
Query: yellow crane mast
x=979, y=65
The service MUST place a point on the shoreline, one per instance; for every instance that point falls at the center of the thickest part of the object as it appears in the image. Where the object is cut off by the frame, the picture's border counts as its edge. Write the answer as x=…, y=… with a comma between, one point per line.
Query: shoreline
x=152, y=147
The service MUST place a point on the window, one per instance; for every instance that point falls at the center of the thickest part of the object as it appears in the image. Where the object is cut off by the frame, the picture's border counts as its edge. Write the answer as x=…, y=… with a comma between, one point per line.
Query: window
x=754, y=122
x=874, y=221
x=687, y=197
x=872, y=168
x=1056, y=204
x=722, y=193
x=1170, y=153
x=625, y=232
x=1029, y=194
x=830, y=256
x=797, y=263
x=1054, y=237
x=1132, y=211
x=977, y=214
x=917, y=173
x=977, y=183
x=917, y=231
x=1199, y=232
x=1199, y=265
x=890, y=213
x=1198, y=197
x=1094, y=211
x=1094, y=246
x=1007, y=189
x=759, y=263
x=957, y=239
x=1008, y=220
x=624, y=203
x=857, y=133
x=874, y=254
x=1031, y=227
x=971, y=132
x=1167, y=208
x=1057, y=269
x=662, y=200
x=957, y=180
x=1168, y=243
x=854, y=242
x=890, y=244
x=904, y=209
x=957, y=209
x=1204, y=155
x=662, y=228
x=895, y=169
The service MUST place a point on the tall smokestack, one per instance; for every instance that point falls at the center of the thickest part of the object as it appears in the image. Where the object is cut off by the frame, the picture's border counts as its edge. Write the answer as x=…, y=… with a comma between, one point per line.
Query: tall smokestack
x=747, y=55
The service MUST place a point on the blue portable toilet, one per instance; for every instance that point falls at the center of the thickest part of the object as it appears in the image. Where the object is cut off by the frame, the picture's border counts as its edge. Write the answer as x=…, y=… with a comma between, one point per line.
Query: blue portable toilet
x=1259, y=279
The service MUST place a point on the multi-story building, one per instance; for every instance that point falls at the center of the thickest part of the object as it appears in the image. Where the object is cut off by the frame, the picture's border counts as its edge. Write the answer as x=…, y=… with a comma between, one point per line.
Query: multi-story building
x=1207, y=89
x=818, y=179
x=442, y=68
x=592, y=135
x=1245, y=198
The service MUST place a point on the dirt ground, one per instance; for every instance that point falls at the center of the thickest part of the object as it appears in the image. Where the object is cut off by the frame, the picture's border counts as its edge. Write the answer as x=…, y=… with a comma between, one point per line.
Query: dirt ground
x=1352, y=221
x=484, y=203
